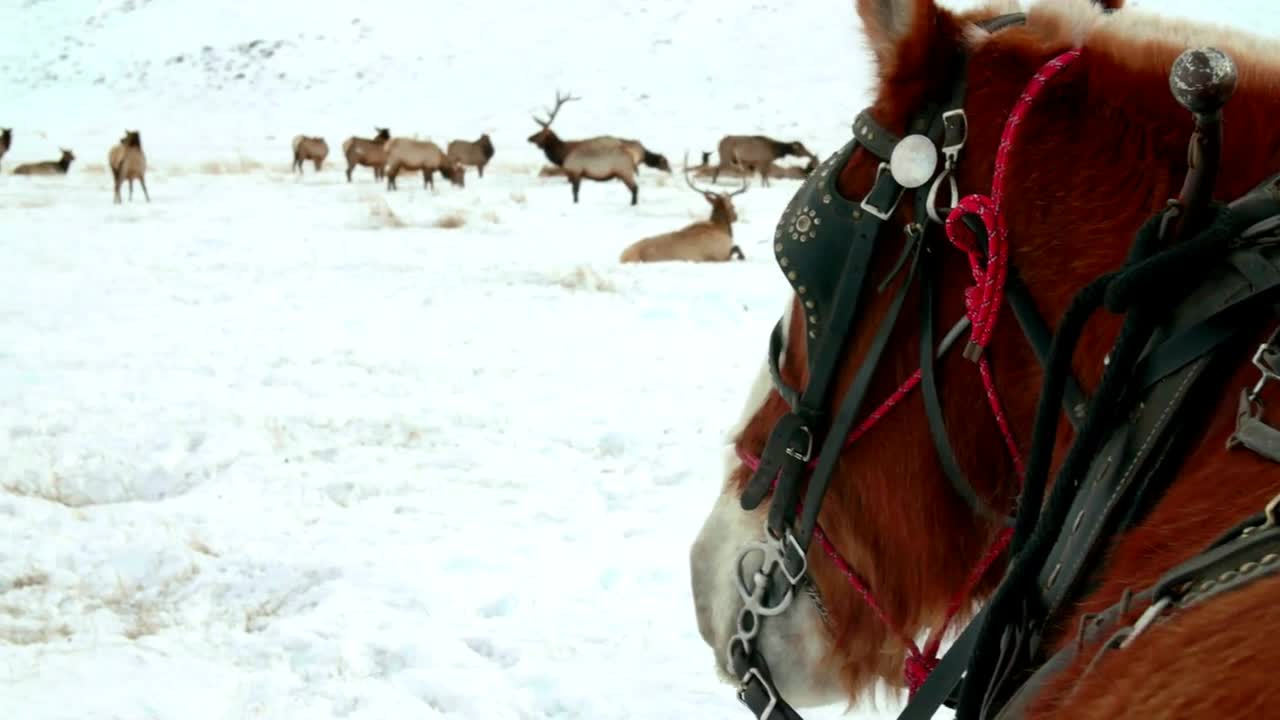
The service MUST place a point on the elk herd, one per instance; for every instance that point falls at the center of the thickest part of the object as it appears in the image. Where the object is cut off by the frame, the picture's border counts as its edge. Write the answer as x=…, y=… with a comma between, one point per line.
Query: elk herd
x=600, y=159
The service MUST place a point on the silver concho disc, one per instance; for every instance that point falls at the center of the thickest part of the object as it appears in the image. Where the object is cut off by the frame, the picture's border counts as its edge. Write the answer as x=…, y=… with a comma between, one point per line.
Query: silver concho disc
x=913, y=161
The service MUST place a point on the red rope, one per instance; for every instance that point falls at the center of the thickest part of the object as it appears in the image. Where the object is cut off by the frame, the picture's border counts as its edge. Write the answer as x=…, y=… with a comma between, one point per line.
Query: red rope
x=982, y=305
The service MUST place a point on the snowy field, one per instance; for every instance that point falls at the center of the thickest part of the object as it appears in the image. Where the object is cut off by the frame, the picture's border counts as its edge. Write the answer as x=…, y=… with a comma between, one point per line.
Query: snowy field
x=291, y=448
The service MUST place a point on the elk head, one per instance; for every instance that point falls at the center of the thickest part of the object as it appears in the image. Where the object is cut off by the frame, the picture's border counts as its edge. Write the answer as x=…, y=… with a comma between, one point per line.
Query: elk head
x=722, y=208
x=541, y=137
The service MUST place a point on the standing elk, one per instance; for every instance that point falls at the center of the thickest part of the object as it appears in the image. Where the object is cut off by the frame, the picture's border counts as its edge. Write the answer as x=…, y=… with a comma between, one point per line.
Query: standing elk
x=409, y=154
x=128, y=162
x=314, y=149
x=369, y=152
x=600, y=159
x=755, y=153
x=476, y=153
x=6, y=140
x=48, y=167
x=708, y=240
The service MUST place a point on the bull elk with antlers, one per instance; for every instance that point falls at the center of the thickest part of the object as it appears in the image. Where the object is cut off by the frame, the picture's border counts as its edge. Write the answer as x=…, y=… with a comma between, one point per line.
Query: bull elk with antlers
x=709, y=240
x=600, y=158
x=756, y=153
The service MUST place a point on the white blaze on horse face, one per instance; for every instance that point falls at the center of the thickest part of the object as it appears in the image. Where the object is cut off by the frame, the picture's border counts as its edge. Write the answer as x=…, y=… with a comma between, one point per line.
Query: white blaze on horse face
x=795, y=643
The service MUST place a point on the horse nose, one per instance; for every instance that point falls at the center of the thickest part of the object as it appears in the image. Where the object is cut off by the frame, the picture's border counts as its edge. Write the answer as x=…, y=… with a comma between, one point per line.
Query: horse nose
x=701, y=583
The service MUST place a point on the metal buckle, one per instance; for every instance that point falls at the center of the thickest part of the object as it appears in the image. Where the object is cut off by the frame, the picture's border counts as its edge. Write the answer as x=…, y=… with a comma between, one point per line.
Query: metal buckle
x=1147, y=617
x=931, y=205
x=804, y=559
x=1268, y=371
x=753, y=597
x=950, y=152
x=877, y=212
x=808, y=450
x=773, y=697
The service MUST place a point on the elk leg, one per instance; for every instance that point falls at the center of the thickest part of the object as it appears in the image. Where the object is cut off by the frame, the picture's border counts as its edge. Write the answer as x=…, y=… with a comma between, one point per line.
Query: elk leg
x=635, y=189
x=130, y=189
x=318, y=162
x=576, y=181
x=480, y=169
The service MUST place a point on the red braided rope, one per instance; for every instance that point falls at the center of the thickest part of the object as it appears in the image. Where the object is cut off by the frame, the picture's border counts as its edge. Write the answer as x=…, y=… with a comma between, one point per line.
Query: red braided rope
x=982, y=305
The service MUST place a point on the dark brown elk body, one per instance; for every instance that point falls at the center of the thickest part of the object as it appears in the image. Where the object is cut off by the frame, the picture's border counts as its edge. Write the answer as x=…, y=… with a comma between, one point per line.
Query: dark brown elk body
x=6, y=140
x=600, y=159
x=128, y=162
x=369, y=152
x=756, y=153
x=710, y=240
x=476, y=154
x=48, y=167
x=314, y=149
x=424, y=155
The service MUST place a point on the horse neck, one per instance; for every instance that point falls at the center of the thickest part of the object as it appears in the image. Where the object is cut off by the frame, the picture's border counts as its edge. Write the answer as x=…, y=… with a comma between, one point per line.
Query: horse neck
x=1101, y=151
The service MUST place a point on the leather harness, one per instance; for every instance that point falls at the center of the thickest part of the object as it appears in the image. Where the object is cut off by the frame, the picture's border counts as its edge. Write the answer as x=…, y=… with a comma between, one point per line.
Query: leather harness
x=1173, y=371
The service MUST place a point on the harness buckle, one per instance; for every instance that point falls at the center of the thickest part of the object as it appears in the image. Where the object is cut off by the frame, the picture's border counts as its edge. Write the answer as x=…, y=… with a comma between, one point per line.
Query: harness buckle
x=808, y=449
x=1147, y=617
x=866, y=201
x=747, y=677
x=931, y=205
x=951, y=146
x=1264, y=359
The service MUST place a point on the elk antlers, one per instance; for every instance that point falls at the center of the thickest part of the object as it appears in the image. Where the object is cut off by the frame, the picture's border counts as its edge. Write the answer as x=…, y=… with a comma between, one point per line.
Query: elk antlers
x=695, y=188
x=560, y=101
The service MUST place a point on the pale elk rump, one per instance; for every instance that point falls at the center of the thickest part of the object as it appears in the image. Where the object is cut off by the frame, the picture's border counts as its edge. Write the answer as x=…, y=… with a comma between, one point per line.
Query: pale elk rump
x=369, y=152
x=128, y=162
x=305, y=148
x=6, y=140
x=48, y=167
x=413, y=155
x=600, y=158
x=475, y=153
x=710, y=240
x=755, y=153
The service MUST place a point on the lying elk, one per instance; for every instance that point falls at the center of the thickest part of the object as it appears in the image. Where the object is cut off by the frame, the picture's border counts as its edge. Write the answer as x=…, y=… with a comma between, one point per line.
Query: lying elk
x=6, y=140
x=755, y=153
x=476, y=154
x=794, y=172
x=409, y=154
x=599, y=159
x=314, y=149
x=370, y=152
x=128, y=162
x=48, y=167
x=706, y=241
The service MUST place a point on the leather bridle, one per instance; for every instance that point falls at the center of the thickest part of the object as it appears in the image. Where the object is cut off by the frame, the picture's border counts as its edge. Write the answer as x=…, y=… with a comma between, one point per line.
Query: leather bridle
x=767, y=589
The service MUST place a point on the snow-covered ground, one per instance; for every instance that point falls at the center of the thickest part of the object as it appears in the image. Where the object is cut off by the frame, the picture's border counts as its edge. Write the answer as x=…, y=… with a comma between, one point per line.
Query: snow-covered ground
x=293, y=448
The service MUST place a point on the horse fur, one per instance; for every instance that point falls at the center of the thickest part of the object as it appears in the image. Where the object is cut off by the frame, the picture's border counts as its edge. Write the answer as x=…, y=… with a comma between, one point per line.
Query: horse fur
x=1101, y=151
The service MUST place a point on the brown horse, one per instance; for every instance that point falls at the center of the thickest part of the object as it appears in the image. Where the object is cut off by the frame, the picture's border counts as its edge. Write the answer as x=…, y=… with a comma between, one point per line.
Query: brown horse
x=1100, y=152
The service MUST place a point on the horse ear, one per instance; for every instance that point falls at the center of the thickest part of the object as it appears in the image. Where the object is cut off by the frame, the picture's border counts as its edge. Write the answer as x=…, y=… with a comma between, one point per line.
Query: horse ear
x=889, y=22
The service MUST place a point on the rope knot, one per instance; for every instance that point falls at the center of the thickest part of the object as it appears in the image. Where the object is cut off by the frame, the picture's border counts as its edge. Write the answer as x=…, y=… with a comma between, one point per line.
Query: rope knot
x=917, y=669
